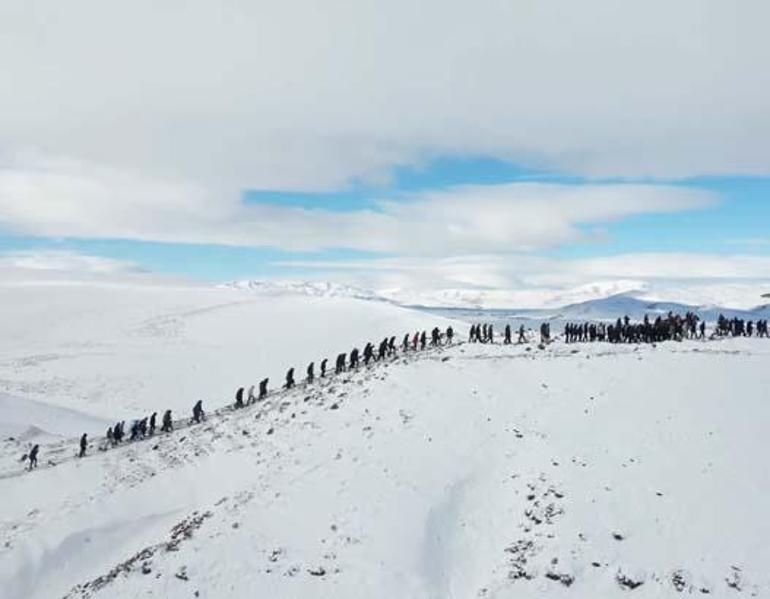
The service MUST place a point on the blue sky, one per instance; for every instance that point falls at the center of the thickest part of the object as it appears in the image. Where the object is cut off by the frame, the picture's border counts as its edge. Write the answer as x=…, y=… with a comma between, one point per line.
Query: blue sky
x=738, y=223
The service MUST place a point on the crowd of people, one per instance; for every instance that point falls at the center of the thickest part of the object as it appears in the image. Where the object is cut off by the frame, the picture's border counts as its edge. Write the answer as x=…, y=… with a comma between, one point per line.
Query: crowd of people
x=738, y=327
x=663, y=328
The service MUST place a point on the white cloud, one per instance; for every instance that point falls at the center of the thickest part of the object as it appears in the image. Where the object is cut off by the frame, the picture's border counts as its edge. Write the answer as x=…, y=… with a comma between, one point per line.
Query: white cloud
x=66, y=198
x=66, y=261
x=299, y=94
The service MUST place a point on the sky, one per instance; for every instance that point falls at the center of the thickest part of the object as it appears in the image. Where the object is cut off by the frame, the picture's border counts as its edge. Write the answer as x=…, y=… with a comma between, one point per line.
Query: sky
x=520, y=149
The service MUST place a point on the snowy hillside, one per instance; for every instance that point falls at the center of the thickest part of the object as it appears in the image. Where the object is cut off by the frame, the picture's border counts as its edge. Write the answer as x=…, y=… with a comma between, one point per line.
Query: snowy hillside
x=470, y=471
x=111, y=350
x=475, y=471
x=306, y=288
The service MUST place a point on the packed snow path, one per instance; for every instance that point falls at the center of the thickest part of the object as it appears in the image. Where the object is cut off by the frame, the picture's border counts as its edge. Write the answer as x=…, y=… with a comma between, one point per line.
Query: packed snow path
x=474, y=471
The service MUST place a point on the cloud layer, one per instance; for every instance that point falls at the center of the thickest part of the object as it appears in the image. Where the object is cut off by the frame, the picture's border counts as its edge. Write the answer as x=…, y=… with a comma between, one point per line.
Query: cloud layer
x=296, y=94
x=68, y=199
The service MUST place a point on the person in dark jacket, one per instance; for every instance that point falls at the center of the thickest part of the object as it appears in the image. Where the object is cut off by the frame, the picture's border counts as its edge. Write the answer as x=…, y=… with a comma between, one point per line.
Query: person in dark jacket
x=289, y=378
x=33, y=456
x=310, y=372
x=239, y=398
x=263, y=389
x=153, y=421
x=168, y=424
x=83, y=445
x=198, y=414
x=323, y=367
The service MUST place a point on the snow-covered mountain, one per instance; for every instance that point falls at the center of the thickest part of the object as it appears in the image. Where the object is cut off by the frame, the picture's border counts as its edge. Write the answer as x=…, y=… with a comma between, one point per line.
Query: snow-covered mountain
x=604, y=299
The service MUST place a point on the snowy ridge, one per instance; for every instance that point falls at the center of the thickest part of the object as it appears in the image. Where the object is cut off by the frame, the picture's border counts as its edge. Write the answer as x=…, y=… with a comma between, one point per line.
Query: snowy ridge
x=603, y=299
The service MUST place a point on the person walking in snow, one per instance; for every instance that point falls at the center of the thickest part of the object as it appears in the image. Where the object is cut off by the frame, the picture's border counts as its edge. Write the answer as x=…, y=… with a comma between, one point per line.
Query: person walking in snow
x=450, y=333
x=168, y=424
x=239, y=398
x=423, y=340
x=33, y=456
x=289, y=378
x=83, y=445
x=339, y=365
x=310, y=372
x=251, y=397
x=153, y=420
x=323, y=367
x=263, y=389
x=198, y=413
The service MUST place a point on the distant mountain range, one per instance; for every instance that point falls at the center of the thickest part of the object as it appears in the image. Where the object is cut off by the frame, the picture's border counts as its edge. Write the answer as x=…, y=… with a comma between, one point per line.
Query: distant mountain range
x=604, y=301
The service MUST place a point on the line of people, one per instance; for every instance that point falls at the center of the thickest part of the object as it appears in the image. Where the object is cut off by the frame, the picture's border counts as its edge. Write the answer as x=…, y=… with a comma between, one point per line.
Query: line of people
x=351, y=361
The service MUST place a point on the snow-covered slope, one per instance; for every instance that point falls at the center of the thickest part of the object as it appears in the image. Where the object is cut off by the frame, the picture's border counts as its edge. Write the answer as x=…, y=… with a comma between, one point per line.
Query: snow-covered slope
x=471, y=471
x=304, y=288
x=113, y=350
x=475, y=471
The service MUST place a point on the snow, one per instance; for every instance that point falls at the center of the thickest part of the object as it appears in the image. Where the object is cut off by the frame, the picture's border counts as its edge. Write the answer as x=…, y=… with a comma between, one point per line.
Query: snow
x=470, y=471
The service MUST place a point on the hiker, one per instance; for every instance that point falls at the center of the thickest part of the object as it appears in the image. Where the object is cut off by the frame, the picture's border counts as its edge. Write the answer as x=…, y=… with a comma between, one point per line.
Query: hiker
x=450, y=333
x=354, y=358
x=263, y=389
x=198, y=413
x=33, y=456
x=153, y=418
x=423, y=340
x=110, y=438
x=168, y=424
x=251, y=397
x=310, y=372
x=83, y=445
x=117, y=433
x=239, y=398
x=289, y=378
x=405, y=343
x=507, y=340
x=323, y=367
